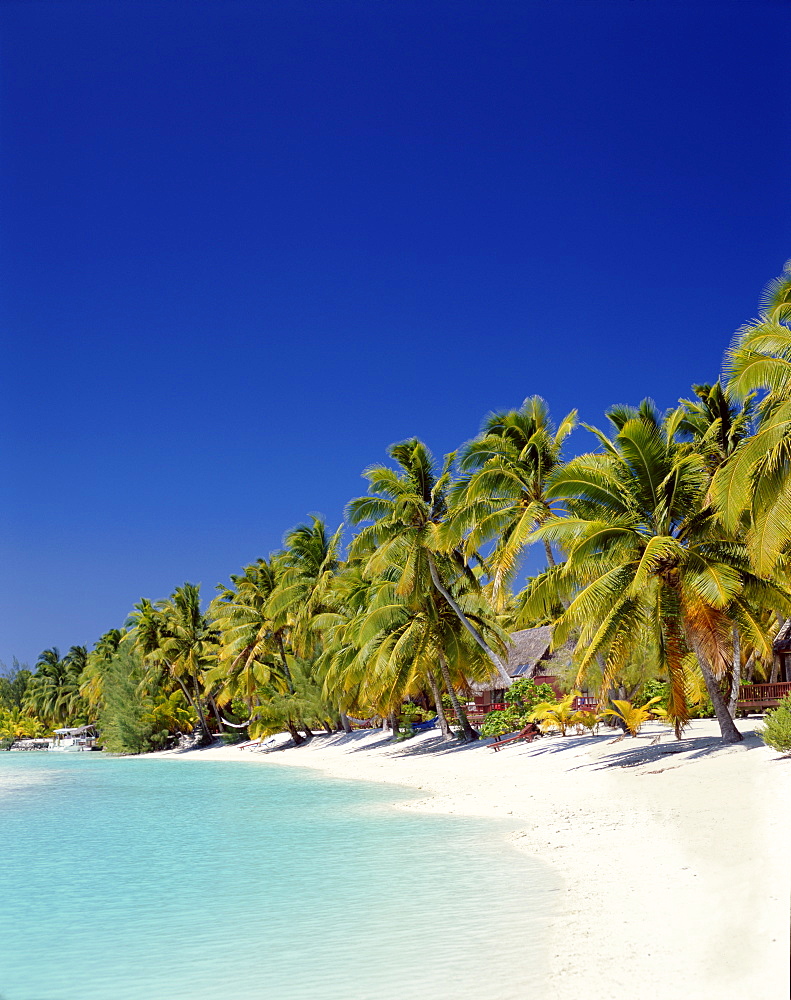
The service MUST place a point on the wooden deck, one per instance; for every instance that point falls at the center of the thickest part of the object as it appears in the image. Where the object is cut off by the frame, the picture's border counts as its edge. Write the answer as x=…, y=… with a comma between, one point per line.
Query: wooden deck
x=758, y=696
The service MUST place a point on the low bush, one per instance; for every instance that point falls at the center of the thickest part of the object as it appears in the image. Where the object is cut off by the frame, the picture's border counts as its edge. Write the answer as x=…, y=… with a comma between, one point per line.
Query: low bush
x=524, y=695
x=776, y=730
x=502, y=721
x=653, y=689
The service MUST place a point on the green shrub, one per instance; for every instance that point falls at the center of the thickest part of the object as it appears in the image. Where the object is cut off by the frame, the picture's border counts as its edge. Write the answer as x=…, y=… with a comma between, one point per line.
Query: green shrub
x=524, y=695
x=654, y=688
x=703, y=710
x=776, y=730
x=502, y=721
x=231, y=736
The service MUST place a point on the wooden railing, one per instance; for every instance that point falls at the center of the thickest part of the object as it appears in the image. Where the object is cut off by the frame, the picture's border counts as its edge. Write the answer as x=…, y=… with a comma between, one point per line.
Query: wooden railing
x=762, y=695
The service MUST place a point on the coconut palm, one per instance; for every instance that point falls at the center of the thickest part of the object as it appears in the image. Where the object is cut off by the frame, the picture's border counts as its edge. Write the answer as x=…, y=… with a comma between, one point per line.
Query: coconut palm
x=94, y=672
x=502, y=494
x=252, y=649
x=388, y=646
x=308, y=565
x=647, y=555
x=715, y=424
x=177, y=639
x=53, y=692
x=402, y=516
x=753, y=489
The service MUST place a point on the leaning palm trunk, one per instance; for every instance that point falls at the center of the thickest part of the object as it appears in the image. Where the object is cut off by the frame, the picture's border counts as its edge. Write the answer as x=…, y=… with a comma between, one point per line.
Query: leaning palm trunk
x=498, y=663
x=194, y=703
x=730, y=734
x=468, y=733
x=216, y=712
x=295, y=735
x=437, y=696
x=735, y=674
x=204, y=726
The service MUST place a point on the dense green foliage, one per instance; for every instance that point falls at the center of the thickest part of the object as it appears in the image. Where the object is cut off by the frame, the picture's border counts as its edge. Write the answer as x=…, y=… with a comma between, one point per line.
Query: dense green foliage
x=524, y=694
x=125, y=719
x=776, y=730
x=666, y=576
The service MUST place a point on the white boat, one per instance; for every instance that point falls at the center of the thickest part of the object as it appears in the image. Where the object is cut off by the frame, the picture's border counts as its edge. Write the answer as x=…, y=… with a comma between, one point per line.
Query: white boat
x=72, y=740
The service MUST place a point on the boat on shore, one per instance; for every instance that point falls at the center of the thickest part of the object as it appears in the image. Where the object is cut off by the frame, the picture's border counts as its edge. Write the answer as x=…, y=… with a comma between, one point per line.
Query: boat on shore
x=71, y=740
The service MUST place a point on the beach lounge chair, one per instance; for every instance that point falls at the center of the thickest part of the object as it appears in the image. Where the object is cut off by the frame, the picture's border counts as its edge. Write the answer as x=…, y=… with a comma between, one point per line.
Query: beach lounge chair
x=421, y=727
x=528, y=734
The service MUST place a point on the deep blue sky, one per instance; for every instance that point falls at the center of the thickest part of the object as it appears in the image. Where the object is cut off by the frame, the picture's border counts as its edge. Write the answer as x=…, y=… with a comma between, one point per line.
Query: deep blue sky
x=246, y=246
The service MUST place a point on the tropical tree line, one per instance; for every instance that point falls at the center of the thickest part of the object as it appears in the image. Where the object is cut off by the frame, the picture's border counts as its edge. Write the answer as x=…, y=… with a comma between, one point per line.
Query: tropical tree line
x=667, y=557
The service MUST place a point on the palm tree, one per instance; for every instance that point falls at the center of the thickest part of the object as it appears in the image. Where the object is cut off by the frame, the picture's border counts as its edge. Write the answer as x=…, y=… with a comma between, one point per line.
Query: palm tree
x=502, y=495
x=307, y=569
x=753, y=488
x=53, y=692
x=341, y=666
x=648, y=556
x=404, y=638
x=402, y=517
x=252, y=648
x=94, y=672
x=714, y=424
x=176, y=637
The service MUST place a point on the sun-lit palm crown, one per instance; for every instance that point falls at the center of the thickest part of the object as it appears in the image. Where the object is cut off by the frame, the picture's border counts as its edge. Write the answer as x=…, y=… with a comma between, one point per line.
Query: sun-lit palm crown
x=403, y=543
x=754, y=488
x=501, y=495
x=250, y=642
x=405, y=508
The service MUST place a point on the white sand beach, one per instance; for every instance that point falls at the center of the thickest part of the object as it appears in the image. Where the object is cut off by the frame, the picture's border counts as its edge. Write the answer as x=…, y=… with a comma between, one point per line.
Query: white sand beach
x=673, y=855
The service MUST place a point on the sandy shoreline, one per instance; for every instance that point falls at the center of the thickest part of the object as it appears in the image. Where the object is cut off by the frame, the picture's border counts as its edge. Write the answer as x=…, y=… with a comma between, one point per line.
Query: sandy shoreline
x=673, y=856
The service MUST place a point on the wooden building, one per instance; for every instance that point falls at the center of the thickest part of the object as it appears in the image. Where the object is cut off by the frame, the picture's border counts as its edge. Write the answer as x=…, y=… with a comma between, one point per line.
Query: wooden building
x=528, y=656
x=757, y=697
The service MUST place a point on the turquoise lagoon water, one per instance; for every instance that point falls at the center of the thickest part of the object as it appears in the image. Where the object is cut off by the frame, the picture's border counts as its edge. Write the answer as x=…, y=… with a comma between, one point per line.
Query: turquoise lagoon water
x=139, y=879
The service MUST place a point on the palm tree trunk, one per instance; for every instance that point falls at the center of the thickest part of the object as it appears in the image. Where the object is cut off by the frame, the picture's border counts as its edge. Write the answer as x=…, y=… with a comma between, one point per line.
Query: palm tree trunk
x=735, y=674
x=345, y=722
x=284, y=661
x=498, y=663
x=217, y=715
x=469, y=733
x=730, y=734
x=204, y=725
x=437, y=695
x=548, y=550
x=193, y=703
x=295, y=736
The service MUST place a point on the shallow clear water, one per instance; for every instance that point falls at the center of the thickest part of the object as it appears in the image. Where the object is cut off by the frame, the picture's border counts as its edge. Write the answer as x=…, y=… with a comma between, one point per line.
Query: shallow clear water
x=139, y=879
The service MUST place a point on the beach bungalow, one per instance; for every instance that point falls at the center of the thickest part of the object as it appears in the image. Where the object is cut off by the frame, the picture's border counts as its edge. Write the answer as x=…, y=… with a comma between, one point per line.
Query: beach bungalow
x=528, y=656
x=757, y=697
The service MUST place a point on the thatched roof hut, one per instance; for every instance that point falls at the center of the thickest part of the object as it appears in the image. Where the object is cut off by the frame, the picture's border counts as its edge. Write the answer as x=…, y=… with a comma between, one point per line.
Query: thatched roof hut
x=782, y=641
x=526, y=649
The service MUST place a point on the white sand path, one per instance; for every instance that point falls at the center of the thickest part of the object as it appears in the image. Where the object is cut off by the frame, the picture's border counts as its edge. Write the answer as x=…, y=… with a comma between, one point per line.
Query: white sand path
x=674, y=857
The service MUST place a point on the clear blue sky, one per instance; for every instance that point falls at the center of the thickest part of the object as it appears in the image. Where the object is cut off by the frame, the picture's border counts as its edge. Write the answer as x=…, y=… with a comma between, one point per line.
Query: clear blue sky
x=246, y=246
